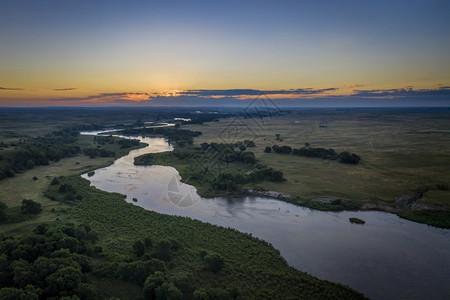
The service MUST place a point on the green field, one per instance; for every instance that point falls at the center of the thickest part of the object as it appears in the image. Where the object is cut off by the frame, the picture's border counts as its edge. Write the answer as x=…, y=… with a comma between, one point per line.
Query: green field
x=401, y=152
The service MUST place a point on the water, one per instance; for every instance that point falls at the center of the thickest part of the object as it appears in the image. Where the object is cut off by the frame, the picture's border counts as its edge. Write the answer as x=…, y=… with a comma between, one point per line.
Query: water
x=385, y=258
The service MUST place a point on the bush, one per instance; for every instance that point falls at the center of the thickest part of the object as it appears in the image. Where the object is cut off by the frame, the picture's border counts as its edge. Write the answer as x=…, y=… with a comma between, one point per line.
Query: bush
x=30, y=207
x=347, y=158
x=268, y=149
x=442, y=186
x=63, y=188
x=30, y=164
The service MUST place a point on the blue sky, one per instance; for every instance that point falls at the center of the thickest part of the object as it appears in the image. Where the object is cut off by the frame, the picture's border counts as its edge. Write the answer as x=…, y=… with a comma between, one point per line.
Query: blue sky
x=75, y=52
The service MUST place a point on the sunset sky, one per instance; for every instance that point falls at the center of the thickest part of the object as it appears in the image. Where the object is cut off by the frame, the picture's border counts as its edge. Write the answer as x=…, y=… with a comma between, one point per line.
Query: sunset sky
x=142, y=52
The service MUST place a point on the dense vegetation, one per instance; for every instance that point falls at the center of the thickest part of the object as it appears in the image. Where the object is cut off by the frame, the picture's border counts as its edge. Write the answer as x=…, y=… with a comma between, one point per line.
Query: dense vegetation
x=50, y=262
x=28, y=210
x=215, y=168
x=105, y=140
x=438, y=218
x=37, y=151
x=308, y=151
x=159, y=256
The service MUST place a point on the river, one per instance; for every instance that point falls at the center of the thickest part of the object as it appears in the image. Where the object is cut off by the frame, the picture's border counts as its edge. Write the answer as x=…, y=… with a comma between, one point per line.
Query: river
x=386, y=258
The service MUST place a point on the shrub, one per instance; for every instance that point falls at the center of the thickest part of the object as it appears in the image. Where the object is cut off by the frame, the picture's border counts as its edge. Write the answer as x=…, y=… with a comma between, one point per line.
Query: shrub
x=30, y=207
x=347, y=158
x=30, y=164
x=442, y=186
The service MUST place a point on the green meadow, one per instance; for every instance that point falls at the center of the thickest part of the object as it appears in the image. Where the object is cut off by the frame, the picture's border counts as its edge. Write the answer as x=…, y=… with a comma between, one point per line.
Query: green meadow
x=402, y=152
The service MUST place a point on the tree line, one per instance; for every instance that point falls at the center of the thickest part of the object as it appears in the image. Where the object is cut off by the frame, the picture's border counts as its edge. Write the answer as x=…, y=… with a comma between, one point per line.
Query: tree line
x=39, y=151
x=323, y=153
x=216, y=168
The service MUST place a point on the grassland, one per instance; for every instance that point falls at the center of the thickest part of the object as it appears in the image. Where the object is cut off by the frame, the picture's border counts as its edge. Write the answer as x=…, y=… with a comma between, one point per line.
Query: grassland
x=22, y=186
x=401, y=151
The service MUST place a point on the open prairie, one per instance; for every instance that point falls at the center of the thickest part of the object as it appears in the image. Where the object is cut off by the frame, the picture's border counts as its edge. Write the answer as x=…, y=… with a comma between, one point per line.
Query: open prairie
x=401, y=151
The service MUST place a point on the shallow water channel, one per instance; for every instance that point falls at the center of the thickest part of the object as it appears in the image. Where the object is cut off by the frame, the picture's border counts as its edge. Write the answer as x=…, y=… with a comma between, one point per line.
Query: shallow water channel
x=386, y=258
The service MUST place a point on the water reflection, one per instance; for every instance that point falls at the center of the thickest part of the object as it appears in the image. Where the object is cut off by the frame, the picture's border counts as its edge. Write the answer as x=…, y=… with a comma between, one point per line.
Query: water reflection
x=388, y=257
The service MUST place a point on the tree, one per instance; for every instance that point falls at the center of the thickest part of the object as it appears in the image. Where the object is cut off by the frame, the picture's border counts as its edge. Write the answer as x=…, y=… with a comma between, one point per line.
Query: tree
x=248, y=157
x=148, y=242
x=201, y=294
x=153, y=282
x=138, y=248
x=183, y=281
x=3, y=208
x=276, y=176
x=163, y=250
x=64, y=280
x=268, y=149
x=278, y=136
x=354, y=159
x=347, y=158
x=214, y=262
x=10, y=293
x=168, y=291
x=30, y=207
x=285, y=149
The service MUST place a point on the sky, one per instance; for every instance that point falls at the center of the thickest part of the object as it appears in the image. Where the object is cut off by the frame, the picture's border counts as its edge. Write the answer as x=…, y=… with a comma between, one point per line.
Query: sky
x=314, y=53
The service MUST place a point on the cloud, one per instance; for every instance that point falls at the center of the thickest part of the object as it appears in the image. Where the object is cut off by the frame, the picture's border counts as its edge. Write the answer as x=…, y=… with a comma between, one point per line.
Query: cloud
x=108, y=98
x=236, y=93
x=236, y=96
x=240, y=94
x=401, y=93
x=66, y=89
x=353, y=85
x=11, y=89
